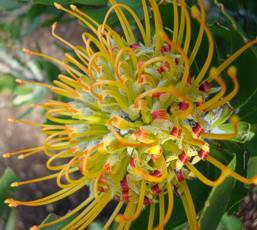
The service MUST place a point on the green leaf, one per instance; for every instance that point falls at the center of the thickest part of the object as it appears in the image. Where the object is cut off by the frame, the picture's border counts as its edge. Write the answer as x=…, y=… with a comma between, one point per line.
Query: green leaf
x=5, y=189
x=230, y=223
x=7, y=83
x=216, y=204
x=252, y=167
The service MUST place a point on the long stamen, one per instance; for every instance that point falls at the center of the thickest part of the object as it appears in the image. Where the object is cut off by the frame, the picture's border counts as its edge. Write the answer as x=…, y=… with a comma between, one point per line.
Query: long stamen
x=23, y=151
x=238, y=177
x=69, y=214
x=147, y=24
x=195, y=14
x=189, y=207
x=184, y=57
x=232, y=72
x=214, y=100
x=76, y=15
x=181, y=27
x=151, y=217
x=234, y=56
x=200, y=35
x=176, y=23
x=158, y=26
x=188, y=27
x=112, y=217
x=161, y=207
x=169, y=211
x=204, y=179
x=46, y=200
x=45, y=56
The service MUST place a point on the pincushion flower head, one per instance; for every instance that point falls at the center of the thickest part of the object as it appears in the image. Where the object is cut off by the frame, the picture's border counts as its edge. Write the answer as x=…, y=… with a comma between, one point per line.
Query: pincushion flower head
x=138, y=120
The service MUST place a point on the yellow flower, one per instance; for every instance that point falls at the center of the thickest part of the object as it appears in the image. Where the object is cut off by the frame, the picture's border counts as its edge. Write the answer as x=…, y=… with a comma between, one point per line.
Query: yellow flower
x=137, y=121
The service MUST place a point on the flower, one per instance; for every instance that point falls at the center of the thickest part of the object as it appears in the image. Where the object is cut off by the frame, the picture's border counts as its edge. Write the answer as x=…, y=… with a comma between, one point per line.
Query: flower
x=137, y=121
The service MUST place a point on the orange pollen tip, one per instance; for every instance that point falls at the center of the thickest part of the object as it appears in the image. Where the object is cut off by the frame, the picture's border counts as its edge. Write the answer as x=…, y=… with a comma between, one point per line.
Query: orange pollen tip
x=20, y=82
x=15, y=184
x=34, y=227
x=183, y=106
x=6, y=155
x=26, y=51
x=176, y=132
x=203, y=154
x=164, y=68
x=205, y=87
x=180, y=175
x=160, y=114
x=183, y=157
x=197, y=129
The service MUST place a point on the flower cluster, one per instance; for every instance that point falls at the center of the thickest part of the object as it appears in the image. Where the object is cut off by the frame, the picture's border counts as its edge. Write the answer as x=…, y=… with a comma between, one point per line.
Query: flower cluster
x=138, y=120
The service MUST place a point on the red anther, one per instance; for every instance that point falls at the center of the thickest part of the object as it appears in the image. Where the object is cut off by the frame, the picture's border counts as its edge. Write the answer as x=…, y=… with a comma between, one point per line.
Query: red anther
x=199, y=103
x=165, y=48
x=147, y=201
x=203, y=154
x=115, y=49
x=160, y=114
x=180, y=175
x=157, y=95
x=107, y=168
x=134, y=46
x=176, y=132
x=156, y=173
x=101, y=189
x=124, y=185
x=156, y=189
x=139, y=64
x=177, y=61
x=132, y=162
x=205, y=87
x=183, y=157
x=164, y=68
x=197, y=129
x=125, y=196
x=183, y=106
x=101, y=180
